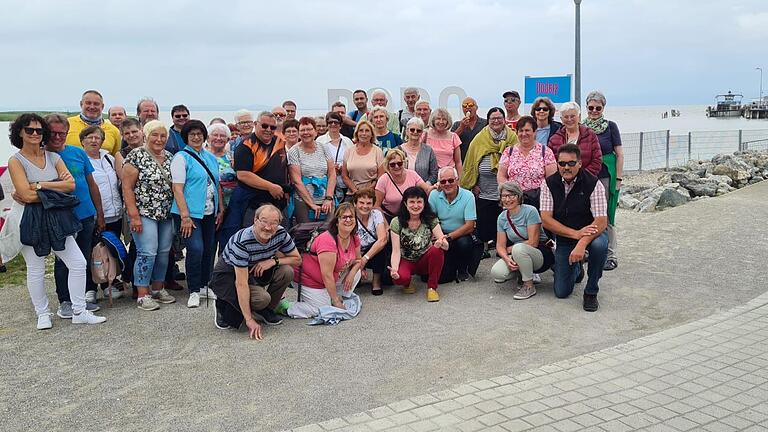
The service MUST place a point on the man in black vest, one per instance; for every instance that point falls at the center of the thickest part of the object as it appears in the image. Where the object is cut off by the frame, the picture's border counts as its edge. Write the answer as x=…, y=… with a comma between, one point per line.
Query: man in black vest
x=574, y=208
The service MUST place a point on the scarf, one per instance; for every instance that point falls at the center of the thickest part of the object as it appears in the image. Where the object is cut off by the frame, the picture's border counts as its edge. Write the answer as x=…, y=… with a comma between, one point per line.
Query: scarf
x=487, y=142
x=90, y=122
x=598, y=126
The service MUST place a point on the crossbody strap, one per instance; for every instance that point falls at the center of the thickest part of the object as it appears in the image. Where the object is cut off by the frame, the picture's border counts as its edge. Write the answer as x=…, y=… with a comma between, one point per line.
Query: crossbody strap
x=514, y=228
x=200, y=161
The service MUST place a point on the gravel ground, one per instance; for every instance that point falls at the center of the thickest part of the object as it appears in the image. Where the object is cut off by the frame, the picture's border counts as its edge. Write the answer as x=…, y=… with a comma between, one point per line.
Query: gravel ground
x=173, y=370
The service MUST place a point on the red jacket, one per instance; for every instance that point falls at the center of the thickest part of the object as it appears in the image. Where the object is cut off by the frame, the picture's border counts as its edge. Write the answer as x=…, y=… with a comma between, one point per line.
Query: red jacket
x=591, y=155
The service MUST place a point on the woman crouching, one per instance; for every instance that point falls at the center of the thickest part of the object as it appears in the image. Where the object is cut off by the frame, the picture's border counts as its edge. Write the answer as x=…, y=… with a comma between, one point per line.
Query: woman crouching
x=331, y=269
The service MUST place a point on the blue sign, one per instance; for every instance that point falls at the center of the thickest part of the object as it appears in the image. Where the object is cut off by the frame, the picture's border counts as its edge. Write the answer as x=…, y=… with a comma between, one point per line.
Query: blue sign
x=557, y=88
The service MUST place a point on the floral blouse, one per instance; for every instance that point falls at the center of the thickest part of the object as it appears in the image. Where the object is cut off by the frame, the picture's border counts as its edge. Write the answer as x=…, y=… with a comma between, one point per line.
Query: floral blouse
x=154, y=195
x=527, y=171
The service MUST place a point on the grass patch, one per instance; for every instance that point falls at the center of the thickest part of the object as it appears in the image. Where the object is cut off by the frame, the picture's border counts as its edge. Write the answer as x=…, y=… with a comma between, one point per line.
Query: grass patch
x=17, y=271
x=10, y=116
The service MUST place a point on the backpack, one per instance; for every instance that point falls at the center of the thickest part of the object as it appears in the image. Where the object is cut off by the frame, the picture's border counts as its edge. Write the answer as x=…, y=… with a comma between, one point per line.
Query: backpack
x=104, y=267
x=304, y=234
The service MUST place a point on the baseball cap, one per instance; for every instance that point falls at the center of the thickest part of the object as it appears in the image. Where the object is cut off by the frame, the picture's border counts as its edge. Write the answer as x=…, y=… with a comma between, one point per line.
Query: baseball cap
x=509, y=93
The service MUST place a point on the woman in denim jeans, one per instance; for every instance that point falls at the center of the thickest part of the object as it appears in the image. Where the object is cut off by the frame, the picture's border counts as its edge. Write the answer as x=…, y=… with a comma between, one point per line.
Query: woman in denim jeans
x=148, y=196
x=198, y=208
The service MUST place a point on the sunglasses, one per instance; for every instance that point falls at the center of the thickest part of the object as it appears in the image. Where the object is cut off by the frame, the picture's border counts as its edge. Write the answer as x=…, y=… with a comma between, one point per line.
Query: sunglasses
x=39, y=131
x=59, y=134
x=180, y=116
x=546, y=109
x=333, y=122
x=414, y=130
x=468, y=105
x=569, y=163
x=595, y=108
x=511, y=100
x=395, y=164
x=447, y=181
x=270, y=127
x=279, y=115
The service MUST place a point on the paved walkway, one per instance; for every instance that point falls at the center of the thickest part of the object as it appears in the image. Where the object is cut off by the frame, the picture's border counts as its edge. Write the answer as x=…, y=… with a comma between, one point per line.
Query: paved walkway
x=708, y=375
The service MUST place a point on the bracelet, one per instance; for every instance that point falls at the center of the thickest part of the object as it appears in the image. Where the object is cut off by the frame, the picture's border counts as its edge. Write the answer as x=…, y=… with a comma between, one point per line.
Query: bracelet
x=328, y=198
x=367, y=258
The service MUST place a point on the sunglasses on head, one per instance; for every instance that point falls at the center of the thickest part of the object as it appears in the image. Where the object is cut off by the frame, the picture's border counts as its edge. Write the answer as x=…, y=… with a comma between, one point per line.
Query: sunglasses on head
x=542, y=109
x=595, y=108
x=569, y=163
x=415, y=130
x=270, y=127
x=447, y=181
x=32, y=131
x=395, y=164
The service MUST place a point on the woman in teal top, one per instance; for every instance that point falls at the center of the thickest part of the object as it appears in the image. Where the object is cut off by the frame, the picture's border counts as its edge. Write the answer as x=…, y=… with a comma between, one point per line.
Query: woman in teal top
x=198, y=206
x=520, y=225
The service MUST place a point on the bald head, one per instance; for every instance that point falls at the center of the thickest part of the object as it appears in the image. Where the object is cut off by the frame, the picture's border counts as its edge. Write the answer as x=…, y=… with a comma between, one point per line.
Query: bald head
x=116, y=115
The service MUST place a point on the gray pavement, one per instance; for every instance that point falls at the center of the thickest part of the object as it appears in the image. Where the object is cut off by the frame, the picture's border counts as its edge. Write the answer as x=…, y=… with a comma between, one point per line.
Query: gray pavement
x=171, y=369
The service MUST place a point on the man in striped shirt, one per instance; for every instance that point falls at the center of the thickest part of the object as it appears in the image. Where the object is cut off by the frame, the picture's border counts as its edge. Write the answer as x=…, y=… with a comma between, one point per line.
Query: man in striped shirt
x=253, y=272
x=574, y=208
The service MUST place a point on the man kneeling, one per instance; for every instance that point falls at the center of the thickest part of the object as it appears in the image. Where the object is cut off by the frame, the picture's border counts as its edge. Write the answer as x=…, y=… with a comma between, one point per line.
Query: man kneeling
x=253, y=272
x=574, y=208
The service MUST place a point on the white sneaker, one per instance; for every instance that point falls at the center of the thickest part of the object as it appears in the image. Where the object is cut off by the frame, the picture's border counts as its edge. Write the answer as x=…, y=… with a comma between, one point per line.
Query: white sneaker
x=536, y=278
x=44, y=321
x=87, y=317
x=208, y=293
x=194, y=300
x=90, y=296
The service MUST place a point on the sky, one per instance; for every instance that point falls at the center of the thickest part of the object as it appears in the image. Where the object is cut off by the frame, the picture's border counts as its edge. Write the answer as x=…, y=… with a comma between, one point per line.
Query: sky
x=250, y=53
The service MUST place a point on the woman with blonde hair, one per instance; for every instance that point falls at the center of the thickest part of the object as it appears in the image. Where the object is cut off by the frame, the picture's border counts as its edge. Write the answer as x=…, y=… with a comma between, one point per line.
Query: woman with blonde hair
x=362, y=165
x=397, y=178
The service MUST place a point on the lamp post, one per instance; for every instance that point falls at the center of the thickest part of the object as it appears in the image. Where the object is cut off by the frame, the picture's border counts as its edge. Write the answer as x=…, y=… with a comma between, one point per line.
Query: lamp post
x=577, y=66
x=760, y=101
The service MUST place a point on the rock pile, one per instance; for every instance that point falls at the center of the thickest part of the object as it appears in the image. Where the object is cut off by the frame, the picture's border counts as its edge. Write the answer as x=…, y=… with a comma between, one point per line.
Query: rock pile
x=697, y=179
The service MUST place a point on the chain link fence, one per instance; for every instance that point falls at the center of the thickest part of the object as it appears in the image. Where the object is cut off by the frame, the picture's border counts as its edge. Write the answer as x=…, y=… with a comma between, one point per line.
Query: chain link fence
x=661, y=149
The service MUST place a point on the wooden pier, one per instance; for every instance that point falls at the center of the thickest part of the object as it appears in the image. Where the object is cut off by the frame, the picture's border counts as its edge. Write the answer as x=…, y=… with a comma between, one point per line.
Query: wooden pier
x=755, y=111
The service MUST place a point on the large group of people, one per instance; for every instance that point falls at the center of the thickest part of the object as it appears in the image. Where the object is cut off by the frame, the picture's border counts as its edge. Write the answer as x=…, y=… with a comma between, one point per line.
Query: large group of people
x=391, y=196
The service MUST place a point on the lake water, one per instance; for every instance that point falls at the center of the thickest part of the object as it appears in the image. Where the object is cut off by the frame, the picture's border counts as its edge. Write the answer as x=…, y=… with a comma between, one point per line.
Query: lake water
x=629, y=119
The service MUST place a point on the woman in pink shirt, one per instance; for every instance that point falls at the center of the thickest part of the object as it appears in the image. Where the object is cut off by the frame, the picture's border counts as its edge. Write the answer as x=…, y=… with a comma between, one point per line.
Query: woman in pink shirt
x=396, y=178
x=332, y=266
x=444, y=143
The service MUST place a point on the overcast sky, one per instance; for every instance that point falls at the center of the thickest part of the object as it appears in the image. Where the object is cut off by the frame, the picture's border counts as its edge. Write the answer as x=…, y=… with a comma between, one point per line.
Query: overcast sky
x=252, y=52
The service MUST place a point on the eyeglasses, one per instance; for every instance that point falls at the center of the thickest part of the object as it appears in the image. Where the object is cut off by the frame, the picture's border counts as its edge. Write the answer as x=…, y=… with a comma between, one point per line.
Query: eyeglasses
x=508, y=196
x=468, y=105
x=347, y=217
x=569, y=163
x=511, y=100
x=195, y=134
x=270, y=127
x=333, y=123
x=395, y=164
x=595, y=108
x=94, y=137
x=32, y=131
x=268, y=224
x=447, y=181
x=415, y=130
x=180, y=116
x=279, y=115
x=244, y=123
x=496, y=119
x=545, y=109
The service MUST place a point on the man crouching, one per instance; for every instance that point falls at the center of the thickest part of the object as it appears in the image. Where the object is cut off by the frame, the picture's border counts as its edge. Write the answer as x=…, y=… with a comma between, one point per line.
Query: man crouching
x=253, y=271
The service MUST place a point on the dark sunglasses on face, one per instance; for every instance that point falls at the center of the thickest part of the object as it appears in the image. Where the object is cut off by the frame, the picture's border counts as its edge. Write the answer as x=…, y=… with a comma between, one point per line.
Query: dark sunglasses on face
x=546, y=109
x=595, y=108
x=447, y=181
x=569, y=163
x=395, y=164
x=180, y=116
x=279, y=115
x=270, y=127
x=333, y=122
x=468, y=105
x=414, y=130
x=58, y=134
x=39, y=131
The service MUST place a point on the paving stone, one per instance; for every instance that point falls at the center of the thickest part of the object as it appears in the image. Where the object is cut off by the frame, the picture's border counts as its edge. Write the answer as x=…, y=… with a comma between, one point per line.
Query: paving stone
x=513, y=412
x=381, y=412
x=358, y=418
x=468, y=399
x=404, y=417
x=424, y=426
x=446, y=420
x=492, y=419
x=425, y=412
x=537, y=419
x=516, y=425
x=448, y=406
x=616, y=426
x=682, y=424
x=468, y=412
x=381, y=424
x=489, y=406
x=470, y=426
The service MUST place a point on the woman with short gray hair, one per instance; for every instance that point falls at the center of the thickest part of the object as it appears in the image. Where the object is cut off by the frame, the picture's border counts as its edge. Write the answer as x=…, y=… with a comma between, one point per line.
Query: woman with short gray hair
x=573, y=132
x=421, y=158
x=520, y=226
x=613, y=164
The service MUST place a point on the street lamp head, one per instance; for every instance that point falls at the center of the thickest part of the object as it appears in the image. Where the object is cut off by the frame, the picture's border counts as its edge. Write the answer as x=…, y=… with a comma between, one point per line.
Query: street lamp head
x=577, y=2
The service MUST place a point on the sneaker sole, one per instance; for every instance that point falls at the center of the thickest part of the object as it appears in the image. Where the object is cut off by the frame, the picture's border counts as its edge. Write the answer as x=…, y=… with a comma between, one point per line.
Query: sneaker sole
x=63, y=316
x=147, y=308
x=165, y=301
x=88, y=322
x=192, y=306
x=519, y=297
x=216, y=322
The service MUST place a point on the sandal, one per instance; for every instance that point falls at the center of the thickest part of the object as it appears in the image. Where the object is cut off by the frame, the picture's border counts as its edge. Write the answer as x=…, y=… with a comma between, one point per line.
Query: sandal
x=377, y=291
x=610, y=264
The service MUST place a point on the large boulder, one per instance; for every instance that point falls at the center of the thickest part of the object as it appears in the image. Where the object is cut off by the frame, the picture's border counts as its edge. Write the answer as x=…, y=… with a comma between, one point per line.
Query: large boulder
x=672, y=197
x=627, y=201
x=738, y=170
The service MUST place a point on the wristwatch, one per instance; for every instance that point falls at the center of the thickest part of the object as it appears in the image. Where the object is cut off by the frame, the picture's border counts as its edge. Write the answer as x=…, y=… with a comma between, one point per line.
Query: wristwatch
x=277, y=260
x=38, y=186
x=328, y=198
x=448, y=237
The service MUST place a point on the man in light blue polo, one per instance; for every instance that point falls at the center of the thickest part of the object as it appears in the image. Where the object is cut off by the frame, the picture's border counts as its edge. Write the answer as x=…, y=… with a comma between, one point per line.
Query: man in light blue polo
x=455, y=208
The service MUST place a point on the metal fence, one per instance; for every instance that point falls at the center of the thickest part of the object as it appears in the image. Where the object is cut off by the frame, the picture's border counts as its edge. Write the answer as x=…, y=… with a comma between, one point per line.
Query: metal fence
x=661, y=149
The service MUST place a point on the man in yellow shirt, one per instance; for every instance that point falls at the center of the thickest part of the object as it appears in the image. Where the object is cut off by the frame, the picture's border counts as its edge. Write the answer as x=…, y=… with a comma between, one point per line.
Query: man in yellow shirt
x=91, y=107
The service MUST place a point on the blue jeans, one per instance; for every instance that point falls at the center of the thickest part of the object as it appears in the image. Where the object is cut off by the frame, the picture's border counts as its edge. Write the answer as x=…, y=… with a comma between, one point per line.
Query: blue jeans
x=152, y=246
x=566, y=274
x=84, y=240
x=201, y=250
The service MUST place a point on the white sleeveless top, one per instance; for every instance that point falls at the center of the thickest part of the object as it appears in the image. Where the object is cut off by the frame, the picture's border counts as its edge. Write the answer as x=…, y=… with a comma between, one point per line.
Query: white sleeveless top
x=35, y=174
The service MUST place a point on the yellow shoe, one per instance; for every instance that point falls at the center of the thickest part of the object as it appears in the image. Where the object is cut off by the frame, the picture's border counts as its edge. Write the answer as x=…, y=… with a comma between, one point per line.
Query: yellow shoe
x=432, y=295
x=410, y=289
